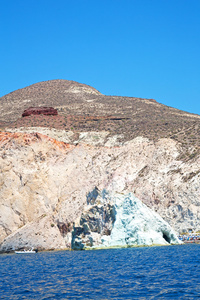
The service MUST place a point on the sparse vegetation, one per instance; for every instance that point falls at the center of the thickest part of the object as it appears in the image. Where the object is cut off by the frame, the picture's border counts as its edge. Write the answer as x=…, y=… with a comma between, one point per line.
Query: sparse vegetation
x=131, y=117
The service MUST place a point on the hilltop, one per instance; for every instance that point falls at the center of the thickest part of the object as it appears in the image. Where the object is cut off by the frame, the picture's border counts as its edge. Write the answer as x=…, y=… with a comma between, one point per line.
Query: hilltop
x=82, y=108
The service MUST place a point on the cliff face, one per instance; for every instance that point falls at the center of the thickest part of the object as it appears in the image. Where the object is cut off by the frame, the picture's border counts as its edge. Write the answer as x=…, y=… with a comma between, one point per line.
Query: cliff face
x=45, y=184
x=57, y=170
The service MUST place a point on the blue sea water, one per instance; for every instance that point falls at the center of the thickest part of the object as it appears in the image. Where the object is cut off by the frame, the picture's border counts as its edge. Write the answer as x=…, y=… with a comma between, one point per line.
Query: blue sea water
x=135, y=273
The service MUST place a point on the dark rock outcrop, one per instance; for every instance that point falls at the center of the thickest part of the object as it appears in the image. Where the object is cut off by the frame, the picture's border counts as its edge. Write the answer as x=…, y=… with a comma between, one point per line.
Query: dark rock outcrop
x=48, y=111
x=94, y=223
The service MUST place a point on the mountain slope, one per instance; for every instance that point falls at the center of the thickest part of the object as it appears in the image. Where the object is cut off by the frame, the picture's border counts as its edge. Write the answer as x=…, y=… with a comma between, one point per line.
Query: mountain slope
x=82, y=108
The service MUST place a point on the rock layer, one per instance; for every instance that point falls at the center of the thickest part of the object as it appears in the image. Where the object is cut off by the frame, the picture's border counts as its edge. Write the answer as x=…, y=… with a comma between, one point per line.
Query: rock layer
x=48, y=111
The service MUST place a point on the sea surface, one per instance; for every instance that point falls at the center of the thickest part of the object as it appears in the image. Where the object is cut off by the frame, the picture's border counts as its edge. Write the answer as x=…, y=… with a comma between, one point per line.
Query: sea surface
x=169, y=272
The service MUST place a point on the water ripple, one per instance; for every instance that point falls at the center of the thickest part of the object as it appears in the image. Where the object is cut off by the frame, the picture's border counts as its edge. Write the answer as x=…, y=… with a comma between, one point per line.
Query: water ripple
x=133, y=273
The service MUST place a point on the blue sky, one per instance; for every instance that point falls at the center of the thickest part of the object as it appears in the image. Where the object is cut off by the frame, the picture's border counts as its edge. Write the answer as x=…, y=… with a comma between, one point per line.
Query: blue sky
x=143, y=48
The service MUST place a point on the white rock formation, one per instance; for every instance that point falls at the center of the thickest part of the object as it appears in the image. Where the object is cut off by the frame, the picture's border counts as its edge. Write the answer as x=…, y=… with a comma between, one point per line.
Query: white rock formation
x=136, y=224
x=119, y=220
x=42, y=234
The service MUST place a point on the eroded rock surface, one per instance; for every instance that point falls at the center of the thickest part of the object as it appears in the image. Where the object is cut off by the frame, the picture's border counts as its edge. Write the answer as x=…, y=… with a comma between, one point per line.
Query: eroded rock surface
x=41, y=176
x=117, y=220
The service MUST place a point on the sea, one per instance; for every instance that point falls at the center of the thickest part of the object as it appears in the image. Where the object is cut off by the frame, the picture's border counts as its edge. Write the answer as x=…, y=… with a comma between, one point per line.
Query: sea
x=167, y=272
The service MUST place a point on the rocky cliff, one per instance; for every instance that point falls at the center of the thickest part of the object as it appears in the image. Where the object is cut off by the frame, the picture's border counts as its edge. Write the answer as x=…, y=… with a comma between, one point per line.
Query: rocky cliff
x=105, y=172
x=45, y=185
